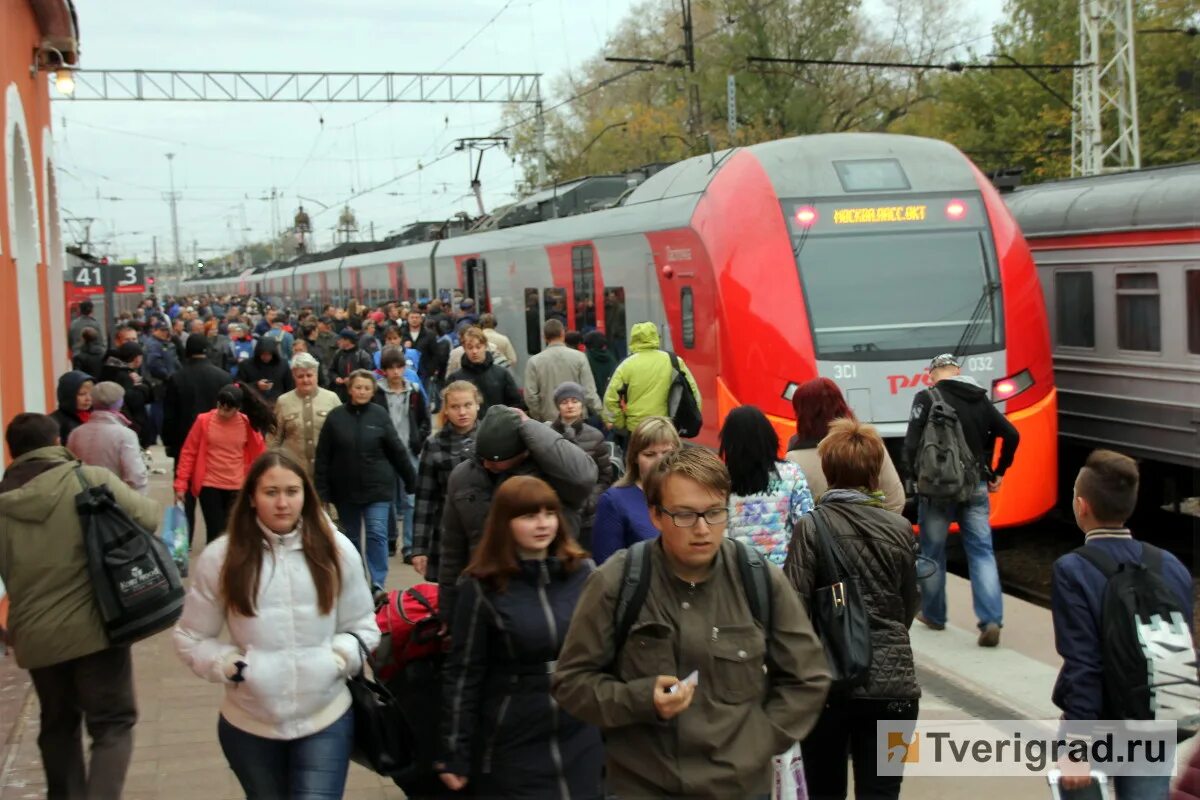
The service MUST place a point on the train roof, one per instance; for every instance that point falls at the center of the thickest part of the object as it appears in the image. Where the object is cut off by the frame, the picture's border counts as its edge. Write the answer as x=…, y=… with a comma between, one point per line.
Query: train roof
x=1159, y=198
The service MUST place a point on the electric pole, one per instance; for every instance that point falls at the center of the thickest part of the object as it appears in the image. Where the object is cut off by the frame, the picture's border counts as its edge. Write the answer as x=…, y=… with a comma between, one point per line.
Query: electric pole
x=173, y=198
x=689, y=54
x=1106, y=85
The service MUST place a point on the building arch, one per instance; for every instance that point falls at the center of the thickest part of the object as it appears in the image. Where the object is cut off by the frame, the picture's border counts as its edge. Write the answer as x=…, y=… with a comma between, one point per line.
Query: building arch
x=25, y=244
x=55, y=258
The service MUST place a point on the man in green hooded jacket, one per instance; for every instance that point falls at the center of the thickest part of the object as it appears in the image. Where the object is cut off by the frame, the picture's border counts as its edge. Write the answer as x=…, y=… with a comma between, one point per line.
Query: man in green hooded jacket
x=642, y=382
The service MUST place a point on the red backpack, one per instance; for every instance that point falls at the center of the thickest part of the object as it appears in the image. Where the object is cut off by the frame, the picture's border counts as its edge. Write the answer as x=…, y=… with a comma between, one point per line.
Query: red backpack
x=410, y=628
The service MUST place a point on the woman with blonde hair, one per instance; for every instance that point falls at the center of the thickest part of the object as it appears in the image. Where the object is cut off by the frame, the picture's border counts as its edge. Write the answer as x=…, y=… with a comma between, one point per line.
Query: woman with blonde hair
x=622, y=517
x=292, y=593
x=453, y=444
x=504, y=734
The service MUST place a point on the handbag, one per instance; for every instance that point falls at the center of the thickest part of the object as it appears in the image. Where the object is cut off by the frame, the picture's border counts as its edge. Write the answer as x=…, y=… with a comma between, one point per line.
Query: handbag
x=383, y=741
x=789, y=781
x=839, y=614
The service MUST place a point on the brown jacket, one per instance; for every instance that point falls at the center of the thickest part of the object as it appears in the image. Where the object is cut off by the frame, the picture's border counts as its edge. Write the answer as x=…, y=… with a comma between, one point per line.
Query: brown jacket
x=722, y=745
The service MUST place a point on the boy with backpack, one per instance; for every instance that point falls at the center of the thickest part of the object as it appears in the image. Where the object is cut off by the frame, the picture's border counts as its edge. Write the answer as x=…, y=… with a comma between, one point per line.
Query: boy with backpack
x=691, y=652
x=1122, y=614
x=948, y=448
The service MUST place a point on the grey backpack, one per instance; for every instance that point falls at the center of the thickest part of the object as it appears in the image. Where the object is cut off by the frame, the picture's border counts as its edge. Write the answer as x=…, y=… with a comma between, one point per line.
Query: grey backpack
x=947, y=470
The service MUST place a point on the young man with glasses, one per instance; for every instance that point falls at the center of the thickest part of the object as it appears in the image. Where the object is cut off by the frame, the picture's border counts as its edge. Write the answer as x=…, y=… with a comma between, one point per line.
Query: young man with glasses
x=752, y=689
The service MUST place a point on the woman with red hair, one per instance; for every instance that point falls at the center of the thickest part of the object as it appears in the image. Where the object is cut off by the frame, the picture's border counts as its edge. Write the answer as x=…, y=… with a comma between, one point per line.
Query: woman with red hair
x=817, y=403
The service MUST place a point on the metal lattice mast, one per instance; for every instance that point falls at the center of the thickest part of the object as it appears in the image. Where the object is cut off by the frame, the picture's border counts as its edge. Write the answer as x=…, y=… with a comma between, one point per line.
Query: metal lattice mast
x=1106, y=90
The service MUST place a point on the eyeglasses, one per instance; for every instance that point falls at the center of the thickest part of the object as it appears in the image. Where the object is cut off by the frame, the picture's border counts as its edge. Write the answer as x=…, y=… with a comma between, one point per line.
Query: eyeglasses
x=688, y=519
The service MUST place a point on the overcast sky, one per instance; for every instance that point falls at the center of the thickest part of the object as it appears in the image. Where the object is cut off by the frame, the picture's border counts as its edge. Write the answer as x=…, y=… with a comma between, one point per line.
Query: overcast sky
x=229, y=155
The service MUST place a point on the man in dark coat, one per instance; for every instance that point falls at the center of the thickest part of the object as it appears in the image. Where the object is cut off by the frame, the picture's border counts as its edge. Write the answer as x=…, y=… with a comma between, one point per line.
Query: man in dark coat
x=190, y=392
x=267, y=371
x=89, y=357
x=124, y=366
x=348, y=358
x=508, y=443
x=982, y=424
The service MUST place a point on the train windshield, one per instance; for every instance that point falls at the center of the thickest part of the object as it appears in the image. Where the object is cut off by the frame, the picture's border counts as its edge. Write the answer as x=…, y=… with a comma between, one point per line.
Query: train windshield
x=898, y=290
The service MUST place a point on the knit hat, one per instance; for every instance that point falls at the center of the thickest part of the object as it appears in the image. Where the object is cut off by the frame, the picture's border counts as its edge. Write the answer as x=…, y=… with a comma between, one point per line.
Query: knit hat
x=568, y=389
x=196, y=346
x=499, y=435
x=107, y=396
x=348, y=333
x=129, y=351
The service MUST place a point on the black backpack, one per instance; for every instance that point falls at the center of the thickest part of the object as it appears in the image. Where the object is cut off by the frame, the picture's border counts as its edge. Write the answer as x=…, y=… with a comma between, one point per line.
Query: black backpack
x=1149, y=660
x=635, y=585
x=947, y=470
x=135, y=580
x=682, y=406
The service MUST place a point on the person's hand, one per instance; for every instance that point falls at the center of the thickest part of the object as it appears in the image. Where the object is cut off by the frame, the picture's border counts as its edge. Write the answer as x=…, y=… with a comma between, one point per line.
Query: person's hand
x=420, y=563
x=520, y=413
x=263, y=384
x=994, y=483
x=455, y=783
x=339, y=381
x=179, y=496
x=1075, y=774
x=669, y=705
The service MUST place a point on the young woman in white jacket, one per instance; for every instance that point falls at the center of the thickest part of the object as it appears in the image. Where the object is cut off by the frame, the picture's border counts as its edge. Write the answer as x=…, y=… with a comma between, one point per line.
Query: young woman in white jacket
x=293, y=594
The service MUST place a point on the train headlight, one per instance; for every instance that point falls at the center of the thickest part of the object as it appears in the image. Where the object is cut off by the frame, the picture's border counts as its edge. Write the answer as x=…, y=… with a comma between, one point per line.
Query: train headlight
x=806, y=216
x=956, y=210
x=1010, y=387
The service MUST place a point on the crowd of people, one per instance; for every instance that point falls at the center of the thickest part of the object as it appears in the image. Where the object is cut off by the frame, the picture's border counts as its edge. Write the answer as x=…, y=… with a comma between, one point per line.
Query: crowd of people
x=628, y=614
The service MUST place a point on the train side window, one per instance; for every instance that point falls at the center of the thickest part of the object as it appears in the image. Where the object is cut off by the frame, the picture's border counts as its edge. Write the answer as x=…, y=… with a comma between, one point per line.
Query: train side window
x=1193, y=310
x=583, y=275
x=533, y=323
x=1075, y=309
x=687, y=315
x=614, y=320
x=1139, y=325
x=554, y=301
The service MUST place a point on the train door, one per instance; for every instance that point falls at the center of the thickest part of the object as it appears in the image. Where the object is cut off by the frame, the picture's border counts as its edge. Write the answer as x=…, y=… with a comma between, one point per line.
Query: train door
x=475, y=278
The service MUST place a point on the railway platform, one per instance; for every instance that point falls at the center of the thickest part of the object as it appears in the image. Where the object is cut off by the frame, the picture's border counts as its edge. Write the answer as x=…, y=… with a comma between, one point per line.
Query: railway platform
x=177, y=756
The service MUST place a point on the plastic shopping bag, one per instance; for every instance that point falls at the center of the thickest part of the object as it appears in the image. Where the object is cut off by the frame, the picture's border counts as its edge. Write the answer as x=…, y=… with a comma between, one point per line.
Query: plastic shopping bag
x=175, y=536
x=789, y=776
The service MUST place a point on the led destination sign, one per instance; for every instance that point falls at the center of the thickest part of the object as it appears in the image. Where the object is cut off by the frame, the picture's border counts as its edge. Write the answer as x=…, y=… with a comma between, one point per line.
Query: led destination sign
x=876, y=214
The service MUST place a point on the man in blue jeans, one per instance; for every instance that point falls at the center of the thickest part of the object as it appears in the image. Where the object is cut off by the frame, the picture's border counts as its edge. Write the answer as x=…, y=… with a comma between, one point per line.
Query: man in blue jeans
x=982, y=424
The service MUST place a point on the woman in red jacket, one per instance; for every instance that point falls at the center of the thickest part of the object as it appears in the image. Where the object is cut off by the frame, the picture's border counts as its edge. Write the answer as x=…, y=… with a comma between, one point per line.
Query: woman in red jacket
x=216, y=457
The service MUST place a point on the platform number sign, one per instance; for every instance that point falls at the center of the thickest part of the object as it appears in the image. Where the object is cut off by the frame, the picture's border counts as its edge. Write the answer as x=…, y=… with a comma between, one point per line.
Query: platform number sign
x=89, y=279
x=119, y=278
x=128, y=278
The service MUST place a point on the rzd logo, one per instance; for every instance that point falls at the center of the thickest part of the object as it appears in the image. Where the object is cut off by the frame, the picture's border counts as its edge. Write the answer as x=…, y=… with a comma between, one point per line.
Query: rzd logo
x=898, y=382
x=900, y=751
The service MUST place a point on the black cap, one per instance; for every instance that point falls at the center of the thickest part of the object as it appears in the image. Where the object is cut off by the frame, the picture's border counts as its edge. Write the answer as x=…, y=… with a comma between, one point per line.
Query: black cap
x=129, y=351
x=348, y=333
x=195, y=346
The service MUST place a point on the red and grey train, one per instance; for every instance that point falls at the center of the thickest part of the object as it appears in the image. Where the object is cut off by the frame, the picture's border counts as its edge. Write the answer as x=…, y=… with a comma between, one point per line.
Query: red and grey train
x=852, y=256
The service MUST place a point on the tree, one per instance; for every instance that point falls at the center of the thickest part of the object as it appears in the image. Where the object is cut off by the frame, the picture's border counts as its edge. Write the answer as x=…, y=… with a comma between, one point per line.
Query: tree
x=1007, y=118
x=773, y=100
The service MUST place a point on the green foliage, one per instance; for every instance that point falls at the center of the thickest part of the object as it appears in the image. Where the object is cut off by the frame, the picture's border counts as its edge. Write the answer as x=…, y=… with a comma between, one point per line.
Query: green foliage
x=626, y=116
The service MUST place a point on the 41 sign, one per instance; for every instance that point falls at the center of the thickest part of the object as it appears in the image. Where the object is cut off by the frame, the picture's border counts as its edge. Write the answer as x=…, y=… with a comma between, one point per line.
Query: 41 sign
x=119, y=278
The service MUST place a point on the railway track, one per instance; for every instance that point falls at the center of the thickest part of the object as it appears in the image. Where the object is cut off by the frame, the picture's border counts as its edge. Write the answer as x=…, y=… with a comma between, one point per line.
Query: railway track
x=1025, y=555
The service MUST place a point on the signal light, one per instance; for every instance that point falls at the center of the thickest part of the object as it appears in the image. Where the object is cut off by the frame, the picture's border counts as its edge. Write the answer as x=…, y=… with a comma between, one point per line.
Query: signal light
x=1013, y=385
x=104, y=261
x=806, y=216
x=150, y=281
x=200, y=266
x=956, y=210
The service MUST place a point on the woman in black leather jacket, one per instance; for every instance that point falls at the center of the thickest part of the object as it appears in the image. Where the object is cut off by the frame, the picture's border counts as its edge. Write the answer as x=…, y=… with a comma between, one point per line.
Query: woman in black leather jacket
x=503, y=733
x=879, y=548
